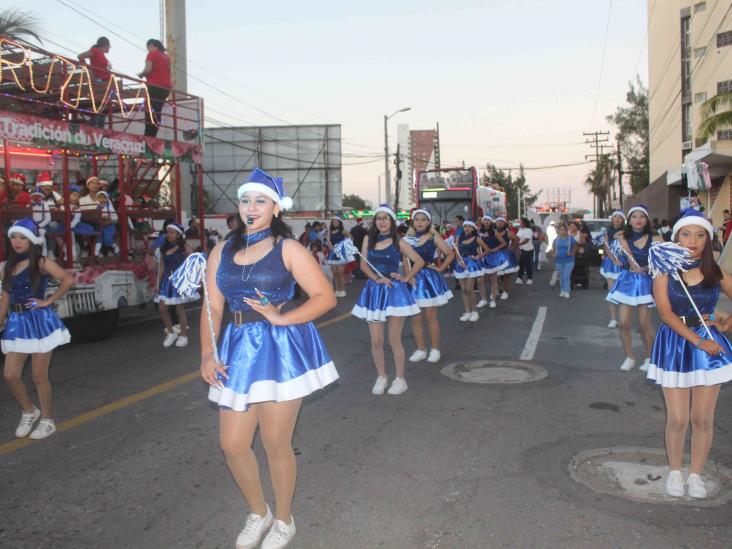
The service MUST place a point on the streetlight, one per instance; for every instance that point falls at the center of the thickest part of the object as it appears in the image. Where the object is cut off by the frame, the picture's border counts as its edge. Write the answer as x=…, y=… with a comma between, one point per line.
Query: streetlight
x=387, y=184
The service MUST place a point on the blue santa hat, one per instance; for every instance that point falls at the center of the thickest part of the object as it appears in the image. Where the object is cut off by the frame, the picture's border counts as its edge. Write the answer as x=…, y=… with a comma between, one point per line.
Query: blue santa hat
x=691, y=216
x=260, y=181
x=639, y=208
x=618, y=213
x=385, y=208
x=422, y=211
x=176, y=227
x=26, y=227
x=470, y=223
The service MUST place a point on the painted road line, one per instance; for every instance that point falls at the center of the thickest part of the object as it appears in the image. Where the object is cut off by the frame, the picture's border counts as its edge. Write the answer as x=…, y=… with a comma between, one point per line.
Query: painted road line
x=533, y=340
x=117, y=405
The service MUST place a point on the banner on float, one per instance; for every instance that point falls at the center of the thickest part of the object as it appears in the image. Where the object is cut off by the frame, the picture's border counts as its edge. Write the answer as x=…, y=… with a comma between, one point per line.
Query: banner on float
x=25, y=128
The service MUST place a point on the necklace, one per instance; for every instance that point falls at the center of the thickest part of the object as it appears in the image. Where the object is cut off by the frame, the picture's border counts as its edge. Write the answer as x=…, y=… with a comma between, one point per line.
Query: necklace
x=251, y=240
x=381, y=237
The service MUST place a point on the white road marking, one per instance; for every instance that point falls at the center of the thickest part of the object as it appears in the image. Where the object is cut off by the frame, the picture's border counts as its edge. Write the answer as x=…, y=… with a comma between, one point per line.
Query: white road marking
x=533, y=340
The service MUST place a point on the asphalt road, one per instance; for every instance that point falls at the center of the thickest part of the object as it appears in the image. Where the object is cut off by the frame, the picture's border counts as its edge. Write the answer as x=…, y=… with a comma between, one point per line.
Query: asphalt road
x=447, y=464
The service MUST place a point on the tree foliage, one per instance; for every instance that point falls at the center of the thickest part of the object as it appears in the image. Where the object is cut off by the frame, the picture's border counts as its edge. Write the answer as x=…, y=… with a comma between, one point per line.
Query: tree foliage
x=354, y=201
x=716, y=114
x=598, y=182
x=631, y=122
x=18, y=25
x=506, y=182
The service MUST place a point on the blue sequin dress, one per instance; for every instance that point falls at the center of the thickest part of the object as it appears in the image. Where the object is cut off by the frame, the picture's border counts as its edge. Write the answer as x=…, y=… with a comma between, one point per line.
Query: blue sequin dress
x=675, y=362
x=429, y=289
x=37, y=330
x=469, y=253
x=513, y=266
x=633, y=288
x=377, y=302
x=608, y=268
x=494, y=262
x=333, y=257
x=265, y=362
x=167, y=293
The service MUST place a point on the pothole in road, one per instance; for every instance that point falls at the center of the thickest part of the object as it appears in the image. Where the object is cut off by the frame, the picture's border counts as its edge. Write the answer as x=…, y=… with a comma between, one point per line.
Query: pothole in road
x=494, y=371
x=639, y=474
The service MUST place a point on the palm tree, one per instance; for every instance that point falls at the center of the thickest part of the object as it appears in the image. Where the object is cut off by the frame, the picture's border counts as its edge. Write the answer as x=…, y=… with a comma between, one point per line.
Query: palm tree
x=716, y=114
x=18, y=24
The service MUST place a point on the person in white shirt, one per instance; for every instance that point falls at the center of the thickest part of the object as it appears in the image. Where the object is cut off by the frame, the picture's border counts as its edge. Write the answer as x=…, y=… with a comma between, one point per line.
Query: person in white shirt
x=45, y=187
x=89, y=200
x=526, y=261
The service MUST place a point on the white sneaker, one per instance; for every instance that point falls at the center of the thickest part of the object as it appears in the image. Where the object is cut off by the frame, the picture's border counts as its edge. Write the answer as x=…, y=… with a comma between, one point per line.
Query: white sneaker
x=418, y=355
x=254, y=529
x=628, y=364
x=696, y=487
x=519, y=280
x=612, y=324
x=97, y=248
x=675, y=484
x=46, y=427
x=435, y=356
x=464, y=317
x=280, y=535
x=566, y=295
x=473, y=316
x=182, y=341
x=529, y=282
x=645, y=365
x=170, y=338
x=379, y=386
x=482, y=303
x=343, y=293
x=27, y=421
x=176, y=328
x=504, y=295
x=398, y=386
x=492, y=304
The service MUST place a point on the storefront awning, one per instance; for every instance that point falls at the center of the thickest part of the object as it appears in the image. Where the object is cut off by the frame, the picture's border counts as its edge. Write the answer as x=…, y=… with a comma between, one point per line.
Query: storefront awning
x=717, y=155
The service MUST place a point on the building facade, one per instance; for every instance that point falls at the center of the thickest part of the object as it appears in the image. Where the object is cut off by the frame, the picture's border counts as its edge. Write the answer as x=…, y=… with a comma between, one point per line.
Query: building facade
x=689, y=45
x=416, y=150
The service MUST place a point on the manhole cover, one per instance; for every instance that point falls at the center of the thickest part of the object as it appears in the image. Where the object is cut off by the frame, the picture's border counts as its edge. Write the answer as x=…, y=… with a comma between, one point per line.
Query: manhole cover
x=639, y=474
x=494, y=371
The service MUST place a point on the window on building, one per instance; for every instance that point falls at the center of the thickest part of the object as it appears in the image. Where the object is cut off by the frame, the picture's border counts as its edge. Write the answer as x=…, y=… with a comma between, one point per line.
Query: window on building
x=700, y=97
x=725, y=86
x=724, y=135
x=686, y=122
x=698, y=52
x=700, y=6
x=724, y=39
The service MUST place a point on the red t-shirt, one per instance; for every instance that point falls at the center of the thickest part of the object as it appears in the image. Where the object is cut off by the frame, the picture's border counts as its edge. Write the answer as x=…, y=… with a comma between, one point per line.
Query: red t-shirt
x=22, y=199
x=160, y=73
x=99, y=64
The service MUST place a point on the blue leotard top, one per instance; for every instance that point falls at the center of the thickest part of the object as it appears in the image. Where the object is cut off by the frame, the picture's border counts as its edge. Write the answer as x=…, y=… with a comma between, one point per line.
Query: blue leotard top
x=468, y=250
x=641, y=254
x=705, y=298
x=612, y=232
x=172, y=261
x=337, y=236
x=427, y=250
x=269, y=275
x=21, y=290
x=386, y=260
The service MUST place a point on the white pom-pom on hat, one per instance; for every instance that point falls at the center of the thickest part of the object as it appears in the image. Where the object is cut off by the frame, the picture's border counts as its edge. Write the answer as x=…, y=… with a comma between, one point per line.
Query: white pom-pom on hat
x=286, y=203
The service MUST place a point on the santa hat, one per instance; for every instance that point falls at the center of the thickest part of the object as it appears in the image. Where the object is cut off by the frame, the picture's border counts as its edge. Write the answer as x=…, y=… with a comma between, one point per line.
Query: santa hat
x=260, y=181
x=639, y=208
x=27, y=228
x=176, y=227
x=385, y=208
x=470, y=223
x=17, y=179
x=691, y=216
x=423, y=212
x=44, y=180
x=618, y=213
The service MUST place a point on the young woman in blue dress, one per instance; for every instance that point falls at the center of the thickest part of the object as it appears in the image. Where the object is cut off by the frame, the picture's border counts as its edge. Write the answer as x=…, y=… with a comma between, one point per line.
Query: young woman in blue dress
x=171, y=255
x=469, y=268
x=428, y=287
x=31, y=326
x=632, y=290
x=336, y=234
x=688, y=364
x=386, y=297
x=268, y=358
x=495, y=260
x=612, y=266
x=502, y=231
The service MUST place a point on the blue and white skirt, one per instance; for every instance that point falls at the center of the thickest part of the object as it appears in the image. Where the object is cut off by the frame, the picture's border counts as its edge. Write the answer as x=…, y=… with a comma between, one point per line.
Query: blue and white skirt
x=429, y=289
x=335, y=259
x=610, y=270
x=81, y=229
x=168, y=294
x=377, y=302
x=33, y=331
x=513, y=266
x=632, y=289
x=271, y=363
x=495, y=262
x=677, y=363
x=473, y=268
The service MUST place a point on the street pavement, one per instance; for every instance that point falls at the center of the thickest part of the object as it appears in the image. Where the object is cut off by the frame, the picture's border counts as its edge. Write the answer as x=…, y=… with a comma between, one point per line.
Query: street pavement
x=446, y=464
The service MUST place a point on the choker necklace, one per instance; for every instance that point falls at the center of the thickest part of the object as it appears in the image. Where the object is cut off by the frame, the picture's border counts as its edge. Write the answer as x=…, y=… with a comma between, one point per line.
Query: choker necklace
x=420, y=234
x=637, y=235
x=381, y=237
x=21, y=257
x=693, y=264
x=254, y=238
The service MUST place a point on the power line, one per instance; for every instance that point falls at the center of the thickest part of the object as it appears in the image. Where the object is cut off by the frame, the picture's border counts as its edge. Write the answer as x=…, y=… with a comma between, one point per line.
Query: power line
x=602, y=64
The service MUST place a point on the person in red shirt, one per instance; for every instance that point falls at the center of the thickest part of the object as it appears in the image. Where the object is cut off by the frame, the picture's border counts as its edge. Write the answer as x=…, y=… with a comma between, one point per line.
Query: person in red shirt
x=20, y=196
x=157, y=74
x=100, y=70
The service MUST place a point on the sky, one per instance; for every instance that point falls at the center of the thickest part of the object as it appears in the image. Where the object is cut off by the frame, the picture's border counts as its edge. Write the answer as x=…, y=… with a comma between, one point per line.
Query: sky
x=509, y=81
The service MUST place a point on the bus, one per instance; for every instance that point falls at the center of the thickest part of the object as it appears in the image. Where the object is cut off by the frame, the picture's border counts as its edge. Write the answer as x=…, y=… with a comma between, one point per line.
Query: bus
x=57, y=121
x=449, y=192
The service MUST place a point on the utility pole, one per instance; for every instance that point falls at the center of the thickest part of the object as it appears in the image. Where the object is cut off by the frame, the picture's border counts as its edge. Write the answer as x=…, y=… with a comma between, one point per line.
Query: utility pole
x=175, y=42
x=595, y=140
x=436, y=146
x=620, y=176
x=397, y=160
x=387, y=173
